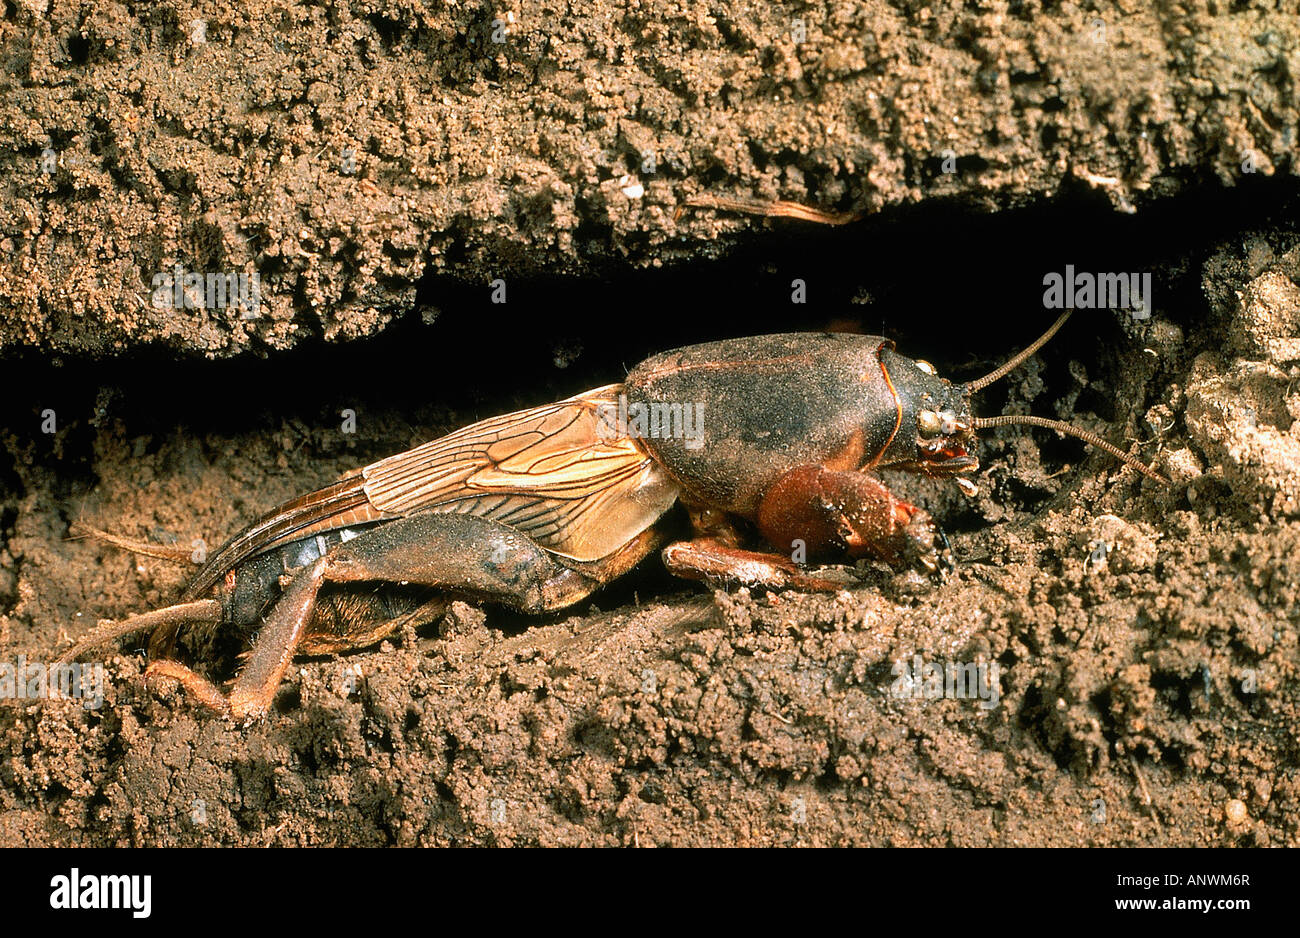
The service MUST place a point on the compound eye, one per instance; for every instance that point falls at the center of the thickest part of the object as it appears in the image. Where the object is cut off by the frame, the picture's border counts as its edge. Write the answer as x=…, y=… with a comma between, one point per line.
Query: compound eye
x=929, y=423
x=925, y=366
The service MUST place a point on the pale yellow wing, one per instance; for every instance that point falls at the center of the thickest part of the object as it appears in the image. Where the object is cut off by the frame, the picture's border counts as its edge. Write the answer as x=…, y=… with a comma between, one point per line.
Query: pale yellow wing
x=550, y=471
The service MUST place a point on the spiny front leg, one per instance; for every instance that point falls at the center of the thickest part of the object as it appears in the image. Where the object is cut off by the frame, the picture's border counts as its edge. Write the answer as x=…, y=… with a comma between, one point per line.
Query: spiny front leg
x=714, y=555
x=839, y=514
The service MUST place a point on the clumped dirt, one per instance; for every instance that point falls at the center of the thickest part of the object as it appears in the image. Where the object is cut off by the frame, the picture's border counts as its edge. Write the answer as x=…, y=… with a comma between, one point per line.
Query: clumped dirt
x=1145, y=637
x=344, y=151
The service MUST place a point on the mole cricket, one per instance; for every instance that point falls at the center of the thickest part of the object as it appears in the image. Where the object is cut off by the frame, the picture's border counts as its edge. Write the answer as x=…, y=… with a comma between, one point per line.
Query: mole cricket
x=536, y=509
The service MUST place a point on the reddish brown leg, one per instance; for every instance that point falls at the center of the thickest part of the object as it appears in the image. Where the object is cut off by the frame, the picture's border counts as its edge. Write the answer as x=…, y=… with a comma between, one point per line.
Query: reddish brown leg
x=257, y=682
x=714, y=555
x=196, y=684
x=837, y=514
x=712, y=561
x=277, y=643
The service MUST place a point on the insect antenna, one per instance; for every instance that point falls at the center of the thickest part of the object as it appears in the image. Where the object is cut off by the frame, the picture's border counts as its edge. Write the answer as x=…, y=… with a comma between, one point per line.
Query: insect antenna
x=1010, y=366
x=1068, y=429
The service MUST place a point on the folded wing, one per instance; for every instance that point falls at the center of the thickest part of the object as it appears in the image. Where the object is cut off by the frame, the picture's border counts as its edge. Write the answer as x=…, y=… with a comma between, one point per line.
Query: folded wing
x=554, y=472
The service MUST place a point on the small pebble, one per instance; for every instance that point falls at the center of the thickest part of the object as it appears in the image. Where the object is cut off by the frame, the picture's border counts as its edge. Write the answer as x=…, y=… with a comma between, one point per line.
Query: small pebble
x=630, y=187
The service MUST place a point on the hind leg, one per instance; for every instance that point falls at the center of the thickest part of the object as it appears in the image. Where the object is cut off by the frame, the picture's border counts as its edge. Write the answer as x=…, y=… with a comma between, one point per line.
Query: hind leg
x=460, y=553
x=199, y=612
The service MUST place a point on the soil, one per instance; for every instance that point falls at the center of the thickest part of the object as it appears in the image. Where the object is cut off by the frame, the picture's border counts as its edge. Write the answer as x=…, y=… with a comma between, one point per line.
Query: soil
x=343, y=153
x=1145, y=636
